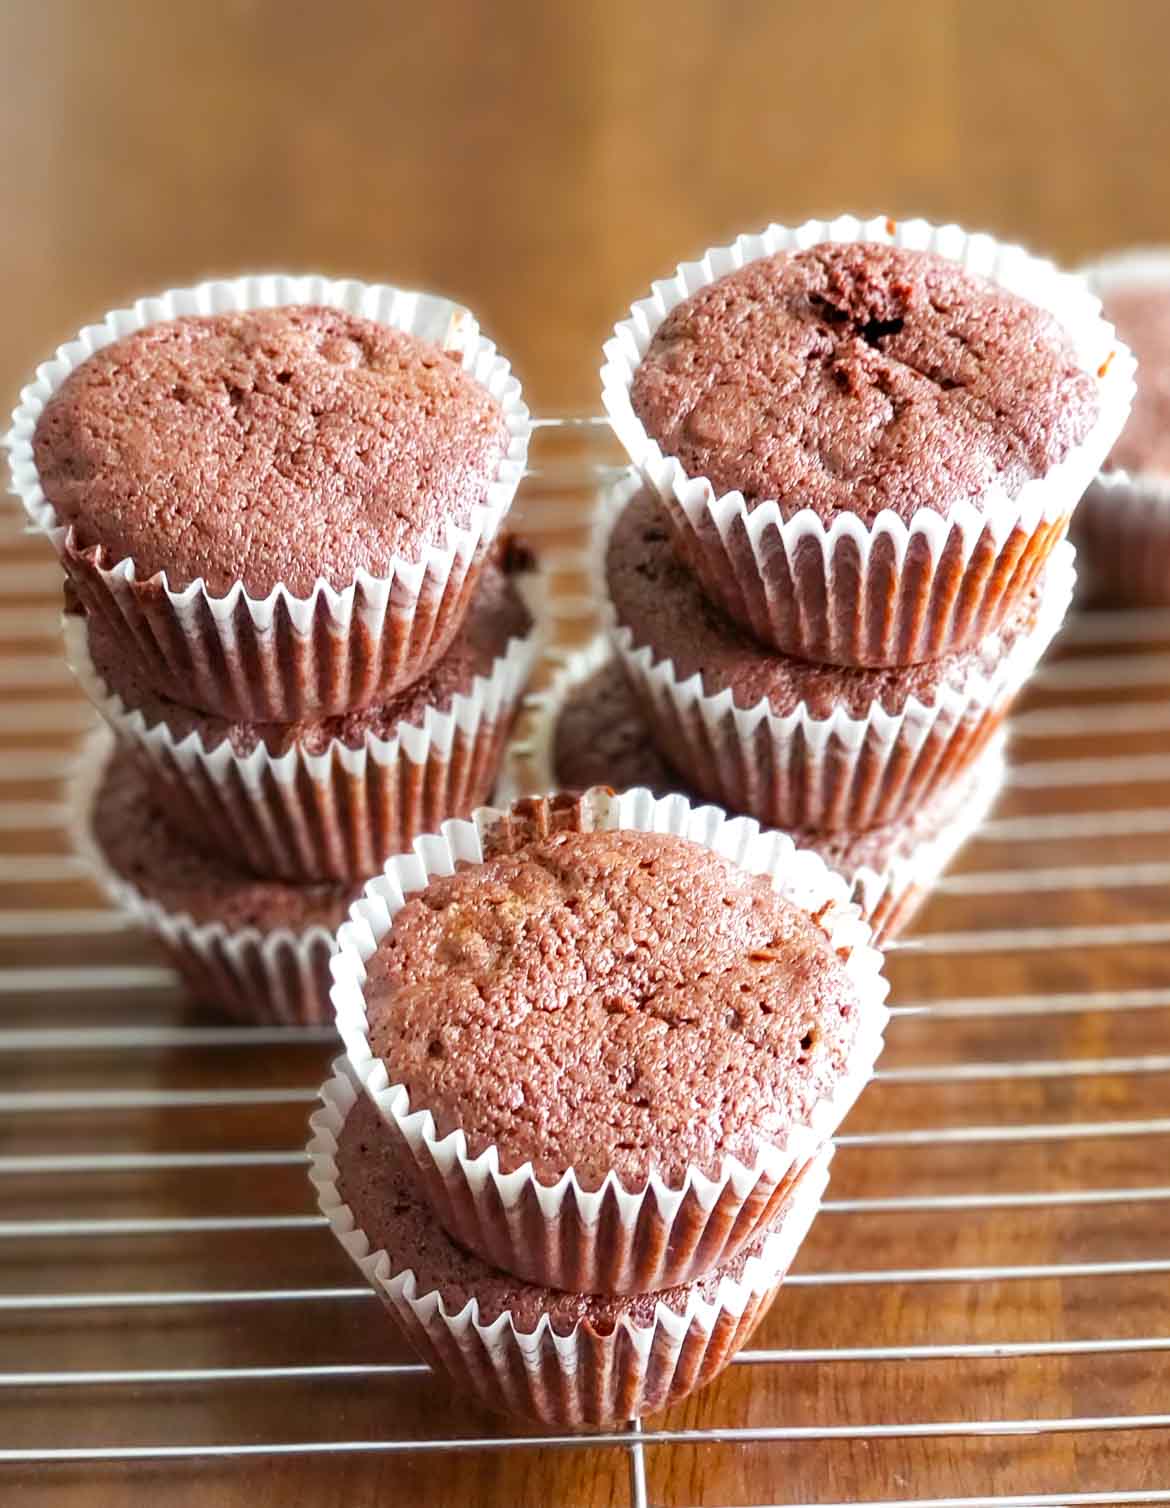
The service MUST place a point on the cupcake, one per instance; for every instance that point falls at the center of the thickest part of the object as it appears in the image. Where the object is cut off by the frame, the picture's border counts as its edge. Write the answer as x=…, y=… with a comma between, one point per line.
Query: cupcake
x=590, y=729
x=611, y=1031
x=868, y=437
x=330, y=798
x=1123, y=525
x=277, y=491
x=792, y=744
x=258, y=949
x=564, y=1360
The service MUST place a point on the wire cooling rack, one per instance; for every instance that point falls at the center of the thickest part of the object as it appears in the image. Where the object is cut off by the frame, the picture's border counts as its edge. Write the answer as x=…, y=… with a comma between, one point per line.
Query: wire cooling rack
x=981, y=1314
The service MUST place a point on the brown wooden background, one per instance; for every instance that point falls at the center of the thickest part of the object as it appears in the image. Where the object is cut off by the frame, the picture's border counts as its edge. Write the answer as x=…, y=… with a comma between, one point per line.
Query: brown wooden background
x=543, y=162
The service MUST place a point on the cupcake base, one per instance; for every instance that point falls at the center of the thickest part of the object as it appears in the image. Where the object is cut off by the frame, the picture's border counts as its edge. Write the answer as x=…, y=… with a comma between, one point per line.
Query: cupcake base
x=332, y=799
x=279, y=978
x=1122, y=532
x=1122, y=527
x=894, y=599
x=793, y=745
x=560, y=1359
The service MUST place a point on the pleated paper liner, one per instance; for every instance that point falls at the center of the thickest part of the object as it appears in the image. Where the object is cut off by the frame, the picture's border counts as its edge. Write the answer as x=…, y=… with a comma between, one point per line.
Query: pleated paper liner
x=608, y=1239
x=283, y=657
x=336, y=814
x=897, y=592
x=593, y=1375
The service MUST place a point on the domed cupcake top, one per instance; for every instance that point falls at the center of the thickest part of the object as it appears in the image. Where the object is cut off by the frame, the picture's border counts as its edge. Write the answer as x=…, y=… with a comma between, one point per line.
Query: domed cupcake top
x=857, y=377
x=611, y=1000
x=268, y=446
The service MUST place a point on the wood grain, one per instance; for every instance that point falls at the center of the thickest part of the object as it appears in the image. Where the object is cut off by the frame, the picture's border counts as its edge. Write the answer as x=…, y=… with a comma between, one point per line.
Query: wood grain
x=544, y=163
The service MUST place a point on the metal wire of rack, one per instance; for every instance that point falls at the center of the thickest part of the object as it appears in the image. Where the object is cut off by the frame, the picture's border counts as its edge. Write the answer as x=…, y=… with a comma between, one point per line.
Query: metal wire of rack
x=997, y=1234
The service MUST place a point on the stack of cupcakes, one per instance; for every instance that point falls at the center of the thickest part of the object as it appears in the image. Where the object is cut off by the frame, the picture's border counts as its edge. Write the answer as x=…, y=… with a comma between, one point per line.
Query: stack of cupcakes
x=857, y=450
x=278, y=504
x=596, y=1048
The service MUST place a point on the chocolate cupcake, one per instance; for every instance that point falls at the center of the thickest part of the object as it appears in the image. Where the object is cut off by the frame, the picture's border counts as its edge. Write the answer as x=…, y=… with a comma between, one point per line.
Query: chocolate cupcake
x=792, y=744
x=278, y=491
x=258, y=949
x=565, y=1360
x=590, y=729
x=1123, y=526
x=610, y=1030
x=331, y=798
x=868, y=437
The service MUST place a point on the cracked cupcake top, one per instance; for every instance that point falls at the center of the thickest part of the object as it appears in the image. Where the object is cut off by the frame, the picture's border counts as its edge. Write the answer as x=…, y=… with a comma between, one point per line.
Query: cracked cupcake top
x=858, y=377
x=271, y=446
x=610, y=1000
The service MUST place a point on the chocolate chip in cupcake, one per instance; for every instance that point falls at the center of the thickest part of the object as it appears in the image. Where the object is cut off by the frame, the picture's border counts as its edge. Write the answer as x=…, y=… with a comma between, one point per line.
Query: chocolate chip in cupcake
x=272, y=446
x=857, y=377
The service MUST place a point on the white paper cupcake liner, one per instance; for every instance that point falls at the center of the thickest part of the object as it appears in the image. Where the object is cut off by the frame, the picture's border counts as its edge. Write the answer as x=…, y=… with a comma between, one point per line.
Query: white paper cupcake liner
x=282, y=657
x=887, y=898
x=841, y=773
x=610, y=1239
x=589, y=1377
x=836, y=773
x=279, y=975
x=896, y=592
x=1122, y=527
x=336, y=814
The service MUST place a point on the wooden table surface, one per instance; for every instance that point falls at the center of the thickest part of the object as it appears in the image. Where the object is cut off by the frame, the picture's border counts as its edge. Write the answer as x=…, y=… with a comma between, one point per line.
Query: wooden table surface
x=1005, y=1182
